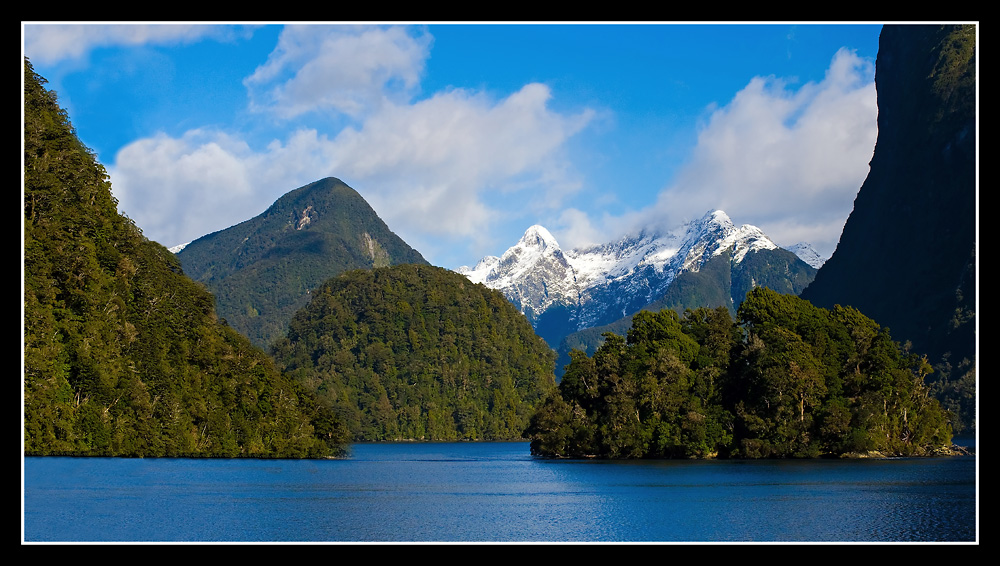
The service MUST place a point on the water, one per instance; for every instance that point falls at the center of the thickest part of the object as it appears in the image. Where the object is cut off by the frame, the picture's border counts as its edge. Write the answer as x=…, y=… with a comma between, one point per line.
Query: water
x=497, y=492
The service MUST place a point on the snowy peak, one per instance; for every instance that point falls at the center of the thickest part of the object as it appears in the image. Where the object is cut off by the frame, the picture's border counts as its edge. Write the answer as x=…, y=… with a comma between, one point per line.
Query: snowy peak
x=806, y=253
x=601, y=283
x=482, y=269
x=487, y=263
x=538, y=237
x=748, y=238
x=536, y=243
x=533, y=274
x=717, y=218
x=715, y=233
x=683, y=249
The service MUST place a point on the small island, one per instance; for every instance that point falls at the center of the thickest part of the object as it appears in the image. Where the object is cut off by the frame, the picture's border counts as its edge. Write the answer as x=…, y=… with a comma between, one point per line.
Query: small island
x=785, y=379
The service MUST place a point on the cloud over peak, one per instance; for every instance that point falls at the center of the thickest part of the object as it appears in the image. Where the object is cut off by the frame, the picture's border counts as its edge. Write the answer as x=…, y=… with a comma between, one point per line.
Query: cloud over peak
x=432, y=168
x=790, y=160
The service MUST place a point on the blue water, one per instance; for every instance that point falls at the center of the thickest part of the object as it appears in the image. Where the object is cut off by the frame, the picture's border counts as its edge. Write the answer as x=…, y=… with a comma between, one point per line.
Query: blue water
x=497, y=492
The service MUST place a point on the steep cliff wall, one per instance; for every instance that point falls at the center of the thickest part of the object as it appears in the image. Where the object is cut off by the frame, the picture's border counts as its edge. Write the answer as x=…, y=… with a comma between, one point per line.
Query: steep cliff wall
x=906, y=257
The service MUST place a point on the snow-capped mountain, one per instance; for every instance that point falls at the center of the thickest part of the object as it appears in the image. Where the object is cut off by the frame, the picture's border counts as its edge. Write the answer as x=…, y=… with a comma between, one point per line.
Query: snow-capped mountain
x=807, y=254
x=561, y=291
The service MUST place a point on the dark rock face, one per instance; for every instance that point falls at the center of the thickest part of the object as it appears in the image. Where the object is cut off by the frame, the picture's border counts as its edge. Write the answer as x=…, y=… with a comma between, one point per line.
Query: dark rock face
x=907, y=254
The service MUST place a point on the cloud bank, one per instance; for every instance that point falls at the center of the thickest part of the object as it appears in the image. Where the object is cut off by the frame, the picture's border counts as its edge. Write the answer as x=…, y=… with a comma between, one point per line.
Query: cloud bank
x=49, y=43
x=448, y=168
x=788, y=161
x=343, y=69
x=434, y=169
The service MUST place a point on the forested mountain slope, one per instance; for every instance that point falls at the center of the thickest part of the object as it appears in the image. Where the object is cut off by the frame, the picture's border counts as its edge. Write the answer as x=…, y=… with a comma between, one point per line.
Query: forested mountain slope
x=415, y=352
x=262, y=270
x=907, y=256
x=123, y=354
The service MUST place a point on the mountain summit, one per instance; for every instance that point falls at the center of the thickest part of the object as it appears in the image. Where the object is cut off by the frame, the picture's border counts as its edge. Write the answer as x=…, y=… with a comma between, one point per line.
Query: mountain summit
x=808, y=254
x=562, y=291
x=263, y=270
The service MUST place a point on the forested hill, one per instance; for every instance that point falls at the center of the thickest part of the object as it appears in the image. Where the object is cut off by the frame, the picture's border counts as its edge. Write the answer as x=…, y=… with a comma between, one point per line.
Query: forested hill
x=123, y=354
x=720, y=281
x=262, y=270
x=418, y=352
x=907, y=256
x=785, y=379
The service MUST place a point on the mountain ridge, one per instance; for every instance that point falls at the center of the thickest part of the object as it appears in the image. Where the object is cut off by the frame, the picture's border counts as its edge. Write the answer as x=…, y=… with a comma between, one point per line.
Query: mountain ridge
x=263, y=269
x=563, y=291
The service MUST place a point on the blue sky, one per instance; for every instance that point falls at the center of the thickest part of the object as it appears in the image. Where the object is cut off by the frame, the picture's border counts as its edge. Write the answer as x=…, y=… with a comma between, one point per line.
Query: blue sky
x=463, y=135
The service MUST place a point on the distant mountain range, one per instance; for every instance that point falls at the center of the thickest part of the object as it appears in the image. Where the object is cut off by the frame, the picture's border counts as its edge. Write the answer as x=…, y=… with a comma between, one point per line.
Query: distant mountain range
x=263, y=270
x=564, y=291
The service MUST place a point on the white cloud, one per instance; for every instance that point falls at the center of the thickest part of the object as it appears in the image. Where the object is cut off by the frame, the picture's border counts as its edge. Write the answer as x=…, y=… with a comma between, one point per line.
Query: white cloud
x=179, y=189
x=345, y=69
x=430, y=169
x=576, y=230
x=430, y=166
x=438, y=170
x=51, y=43
x=176, y=188
x=788, y=161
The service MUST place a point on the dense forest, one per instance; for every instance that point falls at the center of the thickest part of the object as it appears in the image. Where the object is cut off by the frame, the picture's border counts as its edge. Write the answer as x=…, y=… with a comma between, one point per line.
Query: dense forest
x=721, y=281
x=784, y=379
x=123, y=354
x=414, y=352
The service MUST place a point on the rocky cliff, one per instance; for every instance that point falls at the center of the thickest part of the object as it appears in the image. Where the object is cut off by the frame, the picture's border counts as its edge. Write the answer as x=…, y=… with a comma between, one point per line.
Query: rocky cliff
x=907, y=254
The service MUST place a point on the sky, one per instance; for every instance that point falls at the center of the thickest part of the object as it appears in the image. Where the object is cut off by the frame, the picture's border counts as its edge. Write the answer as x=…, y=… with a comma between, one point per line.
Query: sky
x=461, y=136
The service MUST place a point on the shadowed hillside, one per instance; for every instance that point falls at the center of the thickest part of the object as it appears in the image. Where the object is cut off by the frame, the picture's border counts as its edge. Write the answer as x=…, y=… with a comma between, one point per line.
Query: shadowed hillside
x=907, y=256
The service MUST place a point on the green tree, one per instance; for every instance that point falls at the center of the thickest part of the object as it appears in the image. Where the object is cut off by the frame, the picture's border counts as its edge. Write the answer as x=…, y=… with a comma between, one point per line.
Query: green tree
x=785, y=379
x=123, y=355
x=418, y=352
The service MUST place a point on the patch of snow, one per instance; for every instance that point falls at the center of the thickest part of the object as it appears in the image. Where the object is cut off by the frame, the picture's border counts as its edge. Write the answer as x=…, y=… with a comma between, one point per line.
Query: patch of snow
x=536, y=274
x=808, y=254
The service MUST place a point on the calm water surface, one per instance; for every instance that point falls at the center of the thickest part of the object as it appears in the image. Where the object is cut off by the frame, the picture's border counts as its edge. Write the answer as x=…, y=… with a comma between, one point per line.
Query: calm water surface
x=496, y=492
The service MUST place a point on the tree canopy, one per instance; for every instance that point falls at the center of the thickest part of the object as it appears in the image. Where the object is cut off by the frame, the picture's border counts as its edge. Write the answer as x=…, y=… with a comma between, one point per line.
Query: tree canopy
x=123, y=354
x=419, y=353
x=785, y=379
